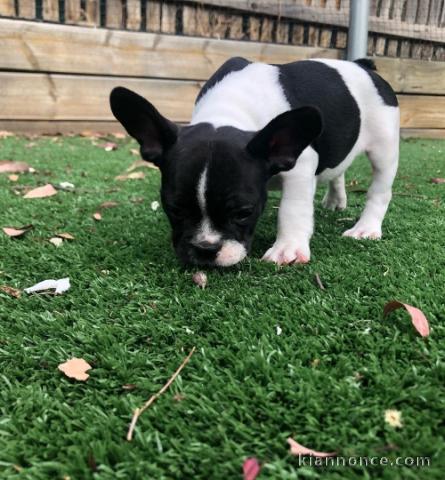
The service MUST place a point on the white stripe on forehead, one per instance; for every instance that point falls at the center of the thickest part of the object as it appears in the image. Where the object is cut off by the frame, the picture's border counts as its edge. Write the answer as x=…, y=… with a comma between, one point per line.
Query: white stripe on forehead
x=205, y=231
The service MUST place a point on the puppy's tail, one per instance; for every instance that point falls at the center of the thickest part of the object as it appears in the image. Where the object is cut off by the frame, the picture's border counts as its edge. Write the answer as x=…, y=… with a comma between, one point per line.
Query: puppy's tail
x=366, y=63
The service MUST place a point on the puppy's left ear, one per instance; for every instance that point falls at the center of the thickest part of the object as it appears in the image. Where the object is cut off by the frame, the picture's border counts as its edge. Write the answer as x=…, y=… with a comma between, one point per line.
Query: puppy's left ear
x=154, y=133
x=282, y=140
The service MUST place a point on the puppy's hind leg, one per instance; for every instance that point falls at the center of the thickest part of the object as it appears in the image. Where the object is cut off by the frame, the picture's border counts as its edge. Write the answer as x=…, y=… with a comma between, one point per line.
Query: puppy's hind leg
x=335, y=198
x=384, y=159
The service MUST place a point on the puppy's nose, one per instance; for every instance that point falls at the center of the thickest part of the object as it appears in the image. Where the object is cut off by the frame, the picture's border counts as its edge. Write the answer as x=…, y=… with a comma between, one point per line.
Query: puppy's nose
x=206, y=247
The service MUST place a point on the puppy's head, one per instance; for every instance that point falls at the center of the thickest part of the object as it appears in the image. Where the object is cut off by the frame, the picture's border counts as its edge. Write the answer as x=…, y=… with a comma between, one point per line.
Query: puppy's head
x=214, y=181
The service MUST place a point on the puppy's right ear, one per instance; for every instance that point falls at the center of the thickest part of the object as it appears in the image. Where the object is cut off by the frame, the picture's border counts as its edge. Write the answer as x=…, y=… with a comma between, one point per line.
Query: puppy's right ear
x=143, y=122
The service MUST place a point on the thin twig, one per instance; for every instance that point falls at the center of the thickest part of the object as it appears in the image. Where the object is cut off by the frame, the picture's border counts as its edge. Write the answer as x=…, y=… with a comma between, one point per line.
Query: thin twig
x=139, y=411
x=319, y=282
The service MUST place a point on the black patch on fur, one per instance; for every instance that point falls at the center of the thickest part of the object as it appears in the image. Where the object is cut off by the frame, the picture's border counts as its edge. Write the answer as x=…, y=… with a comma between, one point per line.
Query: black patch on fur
x=383, y=87
x=314, y=83
x=234, y=64
x=366, y=63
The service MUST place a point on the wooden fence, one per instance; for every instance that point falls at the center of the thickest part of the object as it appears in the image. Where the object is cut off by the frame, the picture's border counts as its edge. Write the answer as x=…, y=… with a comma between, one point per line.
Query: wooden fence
x=56, y=77
x=398, y=28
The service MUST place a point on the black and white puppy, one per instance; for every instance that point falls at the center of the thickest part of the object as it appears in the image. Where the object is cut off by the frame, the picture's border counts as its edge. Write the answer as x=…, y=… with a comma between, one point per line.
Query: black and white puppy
x=305, y=121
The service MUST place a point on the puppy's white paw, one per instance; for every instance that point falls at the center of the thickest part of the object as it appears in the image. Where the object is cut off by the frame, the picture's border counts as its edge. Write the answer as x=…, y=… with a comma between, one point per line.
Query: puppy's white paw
x=288, y=252
x=334, y=201
x=364, y=231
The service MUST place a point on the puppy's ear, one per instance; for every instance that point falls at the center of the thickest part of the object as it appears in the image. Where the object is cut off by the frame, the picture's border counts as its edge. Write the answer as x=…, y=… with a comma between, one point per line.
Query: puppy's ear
x=143, y=122
x=282, y=140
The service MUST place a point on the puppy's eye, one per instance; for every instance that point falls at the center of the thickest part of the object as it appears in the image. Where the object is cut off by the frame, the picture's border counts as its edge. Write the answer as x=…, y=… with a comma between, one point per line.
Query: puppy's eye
x=242, y=215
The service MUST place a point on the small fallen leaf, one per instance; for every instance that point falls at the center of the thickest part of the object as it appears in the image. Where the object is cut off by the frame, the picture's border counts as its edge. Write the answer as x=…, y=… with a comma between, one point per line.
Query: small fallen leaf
x=41, y=192
x=129, y=386
x=141, y=164
x=97, y=216
x=7, y=166
x=16, y=232
x=298, y=449
x=178, y=397
x=119, y=135
x=13, y=177
x=109, y=204
x=65, y=236
x=393, y=418
x=75, y=368
x=13, y=292
x=135, y=151
x=154, y=205
x=438, y=180
x=59, y=286
x=5, y=134
x=56, y=241
x=418, y=318
x=67, y=186
x=319, y=282
x=137, y=200
x=89, y=134
x=131, y=176
x=200, y=279
x=251, y=468
x=315, y=362
x=109, y=146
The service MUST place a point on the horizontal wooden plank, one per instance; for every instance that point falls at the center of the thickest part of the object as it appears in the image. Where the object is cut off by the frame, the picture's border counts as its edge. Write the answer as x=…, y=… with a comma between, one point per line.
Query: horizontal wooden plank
x=422, y=111
x=67, y=97
x=330, y=16
x=35, y=96
x=438, y=133
x=68, y=49
x=57, y=48
x=412, y=76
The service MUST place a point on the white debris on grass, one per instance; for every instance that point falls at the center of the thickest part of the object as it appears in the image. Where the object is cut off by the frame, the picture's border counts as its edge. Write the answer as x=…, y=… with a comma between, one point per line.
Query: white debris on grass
x=59, y=286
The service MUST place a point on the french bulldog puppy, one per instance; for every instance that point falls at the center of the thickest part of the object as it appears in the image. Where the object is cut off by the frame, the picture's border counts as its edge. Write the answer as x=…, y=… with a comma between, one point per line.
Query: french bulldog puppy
x=304, y=121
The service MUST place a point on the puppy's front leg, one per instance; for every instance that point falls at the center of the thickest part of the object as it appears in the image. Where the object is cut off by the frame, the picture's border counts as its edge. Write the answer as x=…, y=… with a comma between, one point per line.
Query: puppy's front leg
x=296, y=214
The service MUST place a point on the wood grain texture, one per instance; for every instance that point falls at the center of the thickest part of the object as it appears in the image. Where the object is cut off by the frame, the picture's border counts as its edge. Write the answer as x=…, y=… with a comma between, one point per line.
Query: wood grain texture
x=51, y=10
x=57, y=48
x=7, y=8
x=422, y=111
x=27, y=9
x=67, y=97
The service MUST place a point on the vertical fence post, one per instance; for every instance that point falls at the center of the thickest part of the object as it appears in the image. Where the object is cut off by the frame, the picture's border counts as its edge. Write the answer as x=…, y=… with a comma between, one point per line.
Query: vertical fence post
x=358, y=29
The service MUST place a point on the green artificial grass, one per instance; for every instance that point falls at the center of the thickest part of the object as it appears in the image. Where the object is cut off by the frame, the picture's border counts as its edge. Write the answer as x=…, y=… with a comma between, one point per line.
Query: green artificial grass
x=133, y=313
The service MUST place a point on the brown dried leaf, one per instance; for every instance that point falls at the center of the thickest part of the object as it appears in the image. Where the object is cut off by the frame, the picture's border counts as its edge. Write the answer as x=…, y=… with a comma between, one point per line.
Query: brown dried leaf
x=418, y=318
x=97, y=216
x=129, y=386
x=41, y=192
x=16, y=232
x=5, y=134
x=75, y=368
x=119, y=135
x=135, y=151
x=13, y=292
x=131, y=176
x=65, y=236
x=141, y=164
x=298, y=449
x=438, y=180
x=13, y=177
x=7, y=166
x=108, y=204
